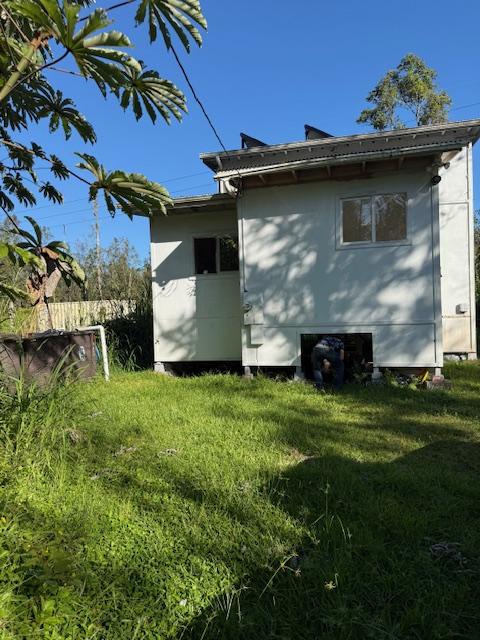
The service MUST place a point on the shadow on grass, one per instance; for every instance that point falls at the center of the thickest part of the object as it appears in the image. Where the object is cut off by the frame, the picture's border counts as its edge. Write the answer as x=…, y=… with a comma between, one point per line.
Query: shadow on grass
x=361, y=566
x=355, y=561
x=365, y=569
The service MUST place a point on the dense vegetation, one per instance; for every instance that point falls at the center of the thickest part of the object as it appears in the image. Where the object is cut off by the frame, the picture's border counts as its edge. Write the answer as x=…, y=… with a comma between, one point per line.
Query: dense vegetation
x=37, y=35
x=214, y=507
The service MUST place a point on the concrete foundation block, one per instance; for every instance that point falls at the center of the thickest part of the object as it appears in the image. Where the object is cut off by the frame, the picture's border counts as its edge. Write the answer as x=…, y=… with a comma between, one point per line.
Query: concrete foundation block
x=298, y=375
x=247, y=373
x=163, y=369
x=439, y=383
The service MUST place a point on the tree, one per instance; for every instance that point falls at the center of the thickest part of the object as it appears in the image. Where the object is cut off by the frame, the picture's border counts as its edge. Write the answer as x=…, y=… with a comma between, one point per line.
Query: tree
x=35, y=36
x=12, y=273
x=412, y=87
x=122, y=274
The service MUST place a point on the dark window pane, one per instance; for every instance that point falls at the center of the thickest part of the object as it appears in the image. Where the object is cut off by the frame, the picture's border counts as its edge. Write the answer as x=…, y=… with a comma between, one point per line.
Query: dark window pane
x=228, y=254
x=356, y=220
x=390, y=217
x=205, y=255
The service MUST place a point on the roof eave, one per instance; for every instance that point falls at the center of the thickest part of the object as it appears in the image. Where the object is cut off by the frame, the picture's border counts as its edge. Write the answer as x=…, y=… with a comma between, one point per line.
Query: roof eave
x=337, y=160
x=214, y=160
x=205, y=203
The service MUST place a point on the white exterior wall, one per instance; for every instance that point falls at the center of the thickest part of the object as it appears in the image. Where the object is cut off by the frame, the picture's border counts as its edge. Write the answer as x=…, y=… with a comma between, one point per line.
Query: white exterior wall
x=299, y=279
x=196, y=317
x=457, y=255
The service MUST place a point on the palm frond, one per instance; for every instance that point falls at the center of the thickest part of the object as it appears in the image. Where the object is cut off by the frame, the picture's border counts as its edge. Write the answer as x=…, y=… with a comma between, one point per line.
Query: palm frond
x=146, y=90
x=61, y=111
x=182, y=16
x=133, y=193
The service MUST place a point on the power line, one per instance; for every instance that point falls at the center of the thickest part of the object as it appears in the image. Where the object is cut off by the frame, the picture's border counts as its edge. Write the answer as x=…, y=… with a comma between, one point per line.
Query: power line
x=103, y=207
x=465, y=106
x=47, y=206
x=194, y=93
x=64, y=213
x=70, y=224
x=71, y=213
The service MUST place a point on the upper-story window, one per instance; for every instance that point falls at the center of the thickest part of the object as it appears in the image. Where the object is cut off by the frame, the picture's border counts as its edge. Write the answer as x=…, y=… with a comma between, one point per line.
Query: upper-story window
x=380, y=218
x=215, y=254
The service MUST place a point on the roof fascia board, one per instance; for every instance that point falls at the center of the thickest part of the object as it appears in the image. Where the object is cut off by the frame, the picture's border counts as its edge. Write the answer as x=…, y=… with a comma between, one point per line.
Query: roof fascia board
x=337, y=160
x=465, y=124
x=205, y=203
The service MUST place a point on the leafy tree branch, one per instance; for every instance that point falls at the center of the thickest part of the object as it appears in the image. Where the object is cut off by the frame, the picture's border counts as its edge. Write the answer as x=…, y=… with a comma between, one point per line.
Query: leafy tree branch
x=411, y=86
x=35, y=36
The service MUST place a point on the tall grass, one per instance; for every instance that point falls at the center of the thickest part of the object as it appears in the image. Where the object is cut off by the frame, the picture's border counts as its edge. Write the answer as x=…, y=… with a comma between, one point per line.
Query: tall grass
x=35, y=427
x=14, y=318
x=130, y=337
x=213, y=507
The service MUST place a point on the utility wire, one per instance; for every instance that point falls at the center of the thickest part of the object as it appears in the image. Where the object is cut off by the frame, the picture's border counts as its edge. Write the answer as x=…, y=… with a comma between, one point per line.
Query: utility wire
x=109, y=217
x=103, y=208
x=204, y=111
x=71, y=213
x=47, y=206
x=465, y=106
x=199, y=102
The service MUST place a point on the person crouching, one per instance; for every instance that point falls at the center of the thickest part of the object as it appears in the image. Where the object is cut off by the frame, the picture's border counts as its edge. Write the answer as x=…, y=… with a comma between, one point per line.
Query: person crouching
x=328, y=355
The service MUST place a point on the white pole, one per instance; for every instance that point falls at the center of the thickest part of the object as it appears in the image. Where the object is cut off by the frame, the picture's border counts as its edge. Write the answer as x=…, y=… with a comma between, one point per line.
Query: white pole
x=103, y=343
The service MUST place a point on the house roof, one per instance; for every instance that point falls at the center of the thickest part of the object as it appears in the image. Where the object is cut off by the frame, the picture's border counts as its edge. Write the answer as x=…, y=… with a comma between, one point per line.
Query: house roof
x=432, y=139
x=210, y=202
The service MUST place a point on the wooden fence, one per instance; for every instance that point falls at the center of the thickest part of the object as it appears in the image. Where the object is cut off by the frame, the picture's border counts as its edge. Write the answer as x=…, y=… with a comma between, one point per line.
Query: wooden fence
x=70, y=315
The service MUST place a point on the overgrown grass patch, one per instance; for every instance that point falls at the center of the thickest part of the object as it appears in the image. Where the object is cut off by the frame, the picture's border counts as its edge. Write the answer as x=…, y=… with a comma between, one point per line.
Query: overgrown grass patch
x=214, y=507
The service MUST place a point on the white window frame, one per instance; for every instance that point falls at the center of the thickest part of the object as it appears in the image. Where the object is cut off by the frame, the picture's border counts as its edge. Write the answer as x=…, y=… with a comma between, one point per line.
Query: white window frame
x=358, y=244
x=217, y=236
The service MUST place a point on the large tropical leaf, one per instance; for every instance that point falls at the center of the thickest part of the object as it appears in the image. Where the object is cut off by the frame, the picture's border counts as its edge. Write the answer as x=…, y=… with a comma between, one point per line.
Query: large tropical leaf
x=13, y=293
x=146, y=90
x=6, y=203
x=94, y=54
x=37, y=230
x=49, y=192
x=92, y=51
x=17, y=254
x=61, y=111
x=133, y=193
x=70, y=267
x=58, y=169
x=182, y=16
x=13, y=183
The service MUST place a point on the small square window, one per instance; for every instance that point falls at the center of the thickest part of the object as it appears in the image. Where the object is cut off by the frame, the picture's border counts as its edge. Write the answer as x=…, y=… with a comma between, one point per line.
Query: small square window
x=228, y=248
x=215, y=255
x=205, y=255
x=381, y=218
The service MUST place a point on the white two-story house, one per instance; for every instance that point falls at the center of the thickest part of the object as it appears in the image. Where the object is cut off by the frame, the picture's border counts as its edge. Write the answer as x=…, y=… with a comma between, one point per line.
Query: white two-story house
x=366, y=236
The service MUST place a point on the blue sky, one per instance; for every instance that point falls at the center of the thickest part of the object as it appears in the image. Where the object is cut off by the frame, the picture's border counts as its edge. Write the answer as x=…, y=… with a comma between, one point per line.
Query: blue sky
x=267, y=67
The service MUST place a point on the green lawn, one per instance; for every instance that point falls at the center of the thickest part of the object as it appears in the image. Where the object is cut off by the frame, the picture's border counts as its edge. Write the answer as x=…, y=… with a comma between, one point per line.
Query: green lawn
x=215, y=507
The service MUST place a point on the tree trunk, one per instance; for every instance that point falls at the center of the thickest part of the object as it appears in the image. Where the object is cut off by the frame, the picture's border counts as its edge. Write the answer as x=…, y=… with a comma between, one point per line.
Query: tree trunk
x=33, y=46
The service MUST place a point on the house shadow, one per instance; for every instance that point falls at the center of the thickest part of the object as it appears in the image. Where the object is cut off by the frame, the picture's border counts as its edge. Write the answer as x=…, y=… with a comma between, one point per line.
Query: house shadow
x=370, y=563
x=338, y=545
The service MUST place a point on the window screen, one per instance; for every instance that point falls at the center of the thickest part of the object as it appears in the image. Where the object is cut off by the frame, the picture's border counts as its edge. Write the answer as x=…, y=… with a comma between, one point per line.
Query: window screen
x=228, y=248
x=390, y=217
x=357, y=220
x=205, y=255
x=380, y=218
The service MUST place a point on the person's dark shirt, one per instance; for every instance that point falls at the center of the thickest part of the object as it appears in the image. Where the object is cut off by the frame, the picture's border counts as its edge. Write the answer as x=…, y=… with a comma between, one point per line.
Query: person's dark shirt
x=329, y=343
x=334, y=344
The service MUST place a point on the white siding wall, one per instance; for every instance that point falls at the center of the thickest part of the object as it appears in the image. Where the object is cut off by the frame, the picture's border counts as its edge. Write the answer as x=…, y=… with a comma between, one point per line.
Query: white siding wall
x=196, y=317
x=456, y=257
x=299, y=280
